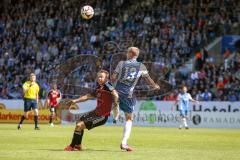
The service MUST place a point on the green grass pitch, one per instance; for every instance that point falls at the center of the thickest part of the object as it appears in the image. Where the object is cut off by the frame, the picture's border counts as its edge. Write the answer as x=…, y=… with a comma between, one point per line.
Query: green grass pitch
x=102, y=143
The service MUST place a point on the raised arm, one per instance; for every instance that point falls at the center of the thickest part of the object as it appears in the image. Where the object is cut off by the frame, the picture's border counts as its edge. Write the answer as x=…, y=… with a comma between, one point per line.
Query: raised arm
x=115, y=108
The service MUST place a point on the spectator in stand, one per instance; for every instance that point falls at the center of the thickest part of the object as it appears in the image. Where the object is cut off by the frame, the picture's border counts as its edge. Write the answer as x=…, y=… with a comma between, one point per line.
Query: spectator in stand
x=206, y=95
x=220, y=84
x=35, y=36
x=232, y=97
x=170, y=97
x=199, y=61
x=199, y=96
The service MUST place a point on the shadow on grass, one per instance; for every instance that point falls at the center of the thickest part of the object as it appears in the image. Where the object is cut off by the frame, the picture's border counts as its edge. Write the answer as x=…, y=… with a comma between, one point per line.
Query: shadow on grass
x=84, y=150
x=100, y=150
x=51, y=149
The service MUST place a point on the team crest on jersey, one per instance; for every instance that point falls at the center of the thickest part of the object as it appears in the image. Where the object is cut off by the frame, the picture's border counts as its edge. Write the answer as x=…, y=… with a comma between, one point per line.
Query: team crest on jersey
x=98, y=95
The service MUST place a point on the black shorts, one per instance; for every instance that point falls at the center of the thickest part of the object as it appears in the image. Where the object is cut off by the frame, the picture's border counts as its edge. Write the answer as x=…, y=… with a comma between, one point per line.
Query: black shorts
x=29, y=104
x=91, y=120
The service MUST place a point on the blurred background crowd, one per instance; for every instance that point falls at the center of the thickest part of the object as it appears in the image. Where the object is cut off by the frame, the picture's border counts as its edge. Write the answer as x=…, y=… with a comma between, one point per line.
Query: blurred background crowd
x=37, y=36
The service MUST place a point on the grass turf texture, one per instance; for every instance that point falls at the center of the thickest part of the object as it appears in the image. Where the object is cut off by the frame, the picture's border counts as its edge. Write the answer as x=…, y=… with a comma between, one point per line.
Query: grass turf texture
x=150, y=143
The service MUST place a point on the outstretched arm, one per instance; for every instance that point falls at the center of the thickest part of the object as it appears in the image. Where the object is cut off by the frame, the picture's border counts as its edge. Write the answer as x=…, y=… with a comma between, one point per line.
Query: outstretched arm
x=82, y=98
x=146, y=76
x=193, y=100
x=151, y=82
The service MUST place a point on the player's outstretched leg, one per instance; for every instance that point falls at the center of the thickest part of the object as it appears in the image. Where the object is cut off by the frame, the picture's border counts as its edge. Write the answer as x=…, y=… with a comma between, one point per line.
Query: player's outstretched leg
x=127, y=132
x=77, y=137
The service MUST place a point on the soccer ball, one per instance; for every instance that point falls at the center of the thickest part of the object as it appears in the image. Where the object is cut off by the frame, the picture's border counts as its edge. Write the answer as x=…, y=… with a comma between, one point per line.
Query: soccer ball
x=87, y=12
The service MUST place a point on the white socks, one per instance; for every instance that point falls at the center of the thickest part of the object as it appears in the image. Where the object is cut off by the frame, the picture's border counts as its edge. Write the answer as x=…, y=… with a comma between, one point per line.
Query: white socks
x=127, y=132
x=184, y=122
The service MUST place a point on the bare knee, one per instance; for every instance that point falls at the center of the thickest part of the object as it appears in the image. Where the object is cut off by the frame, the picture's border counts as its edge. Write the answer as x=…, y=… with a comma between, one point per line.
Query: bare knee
x=25, y=115
x=80, y=126
x=129, y=116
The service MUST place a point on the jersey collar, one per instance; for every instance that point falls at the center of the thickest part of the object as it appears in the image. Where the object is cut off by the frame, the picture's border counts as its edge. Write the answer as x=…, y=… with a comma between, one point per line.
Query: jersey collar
x=132, y=60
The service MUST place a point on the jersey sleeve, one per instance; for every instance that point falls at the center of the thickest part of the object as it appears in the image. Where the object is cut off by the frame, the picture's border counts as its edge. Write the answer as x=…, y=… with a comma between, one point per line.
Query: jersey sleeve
x=109, y=86
x=144, y=71
x=25, y=86
x=119, y=67
x=189, y=96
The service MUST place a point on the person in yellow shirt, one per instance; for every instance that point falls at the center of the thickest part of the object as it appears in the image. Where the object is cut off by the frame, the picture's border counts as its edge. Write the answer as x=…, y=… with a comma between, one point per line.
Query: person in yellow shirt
x=30, y=94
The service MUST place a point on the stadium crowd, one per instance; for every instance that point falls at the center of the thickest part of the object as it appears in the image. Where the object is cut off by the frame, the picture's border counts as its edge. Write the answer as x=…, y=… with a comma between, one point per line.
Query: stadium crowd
x=36, y=36
x=211, y=82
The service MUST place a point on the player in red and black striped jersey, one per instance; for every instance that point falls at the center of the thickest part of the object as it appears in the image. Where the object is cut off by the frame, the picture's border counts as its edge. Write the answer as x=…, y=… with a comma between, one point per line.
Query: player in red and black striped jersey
x=107, y=100
x=53, y=97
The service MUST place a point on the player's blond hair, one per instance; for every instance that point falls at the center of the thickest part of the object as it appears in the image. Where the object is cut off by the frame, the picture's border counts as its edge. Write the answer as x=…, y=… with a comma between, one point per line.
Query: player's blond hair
x=32, y=74
x=184, y=86
x=105, y=72
x=134, y=50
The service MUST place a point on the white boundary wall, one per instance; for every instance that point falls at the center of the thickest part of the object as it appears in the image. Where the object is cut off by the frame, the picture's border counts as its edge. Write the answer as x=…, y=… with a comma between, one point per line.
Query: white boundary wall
x=158, y=113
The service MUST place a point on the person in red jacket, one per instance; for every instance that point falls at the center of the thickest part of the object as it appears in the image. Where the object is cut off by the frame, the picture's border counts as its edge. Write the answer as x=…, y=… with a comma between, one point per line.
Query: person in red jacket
x=53, y=97
x=107, y=100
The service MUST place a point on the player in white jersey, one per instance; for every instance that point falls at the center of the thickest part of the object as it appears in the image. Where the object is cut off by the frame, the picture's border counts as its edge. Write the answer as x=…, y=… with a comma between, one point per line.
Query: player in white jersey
x=125, y=77
x=183, y=100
